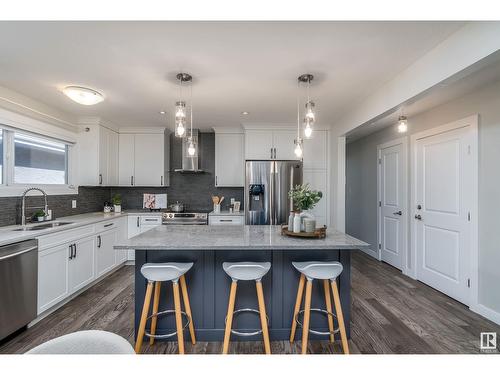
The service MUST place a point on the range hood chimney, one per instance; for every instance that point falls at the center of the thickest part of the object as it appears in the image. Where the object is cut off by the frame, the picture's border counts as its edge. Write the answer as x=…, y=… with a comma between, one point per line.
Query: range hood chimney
x=190, y=163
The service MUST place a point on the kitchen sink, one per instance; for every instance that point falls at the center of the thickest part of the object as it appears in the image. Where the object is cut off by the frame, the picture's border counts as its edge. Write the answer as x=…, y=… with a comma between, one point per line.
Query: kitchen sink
x=53, y=224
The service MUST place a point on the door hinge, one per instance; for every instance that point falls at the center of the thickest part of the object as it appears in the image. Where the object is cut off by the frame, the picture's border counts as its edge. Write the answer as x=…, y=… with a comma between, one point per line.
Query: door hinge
x=468, y=283
x=380, y=203
x=379, y=245
x=468, y=216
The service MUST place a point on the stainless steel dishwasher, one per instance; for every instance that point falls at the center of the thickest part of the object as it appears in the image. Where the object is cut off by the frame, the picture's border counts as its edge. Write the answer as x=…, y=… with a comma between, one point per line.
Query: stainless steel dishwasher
x=18, y=285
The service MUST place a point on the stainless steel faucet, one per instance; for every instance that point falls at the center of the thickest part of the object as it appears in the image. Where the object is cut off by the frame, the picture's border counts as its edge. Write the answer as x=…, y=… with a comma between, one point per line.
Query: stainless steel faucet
x=23, y=206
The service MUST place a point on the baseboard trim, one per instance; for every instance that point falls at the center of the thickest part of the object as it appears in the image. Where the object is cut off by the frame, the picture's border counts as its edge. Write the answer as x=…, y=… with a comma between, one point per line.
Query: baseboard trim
x=370, y=252
x=486, y=312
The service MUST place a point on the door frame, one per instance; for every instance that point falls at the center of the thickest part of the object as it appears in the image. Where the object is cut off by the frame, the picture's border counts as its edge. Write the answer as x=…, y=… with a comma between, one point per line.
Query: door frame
x=404, y=142
x=471, y=122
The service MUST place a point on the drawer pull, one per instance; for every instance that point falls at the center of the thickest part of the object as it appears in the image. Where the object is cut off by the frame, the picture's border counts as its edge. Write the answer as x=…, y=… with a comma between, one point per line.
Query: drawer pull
x=108, y=225
x=226, y=220
x=150, y=220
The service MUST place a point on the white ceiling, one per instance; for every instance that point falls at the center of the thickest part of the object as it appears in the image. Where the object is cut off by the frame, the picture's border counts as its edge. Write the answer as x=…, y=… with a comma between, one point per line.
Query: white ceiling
x=467, y=81
x=237, y=66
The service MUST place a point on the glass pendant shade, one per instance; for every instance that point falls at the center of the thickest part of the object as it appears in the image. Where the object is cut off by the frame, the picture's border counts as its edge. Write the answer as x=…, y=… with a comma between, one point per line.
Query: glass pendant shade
x=310, y=111
x=298, y=148
x=180, y=110
x=402, y=124
x=180, y=128
x=191, y=148
x=308, y=130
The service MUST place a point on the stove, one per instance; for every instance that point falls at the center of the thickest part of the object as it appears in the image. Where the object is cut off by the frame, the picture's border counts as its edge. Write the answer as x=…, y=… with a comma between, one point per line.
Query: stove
x=185, y=218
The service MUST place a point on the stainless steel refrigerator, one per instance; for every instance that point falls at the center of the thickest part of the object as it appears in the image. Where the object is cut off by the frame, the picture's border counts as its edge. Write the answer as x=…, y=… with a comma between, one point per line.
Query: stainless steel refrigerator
x=267, y=184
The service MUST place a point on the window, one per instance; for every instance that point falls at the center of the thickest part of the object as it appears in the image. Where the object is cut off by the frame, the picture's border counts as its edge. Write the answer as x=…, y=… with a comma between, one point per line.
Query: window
x=39, y=161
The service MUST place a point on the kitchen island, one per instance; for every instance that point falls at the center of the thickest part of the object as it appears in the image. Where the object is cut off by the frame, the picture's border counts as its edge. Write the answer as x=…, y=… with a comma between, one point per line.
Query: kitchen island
x=209, y=246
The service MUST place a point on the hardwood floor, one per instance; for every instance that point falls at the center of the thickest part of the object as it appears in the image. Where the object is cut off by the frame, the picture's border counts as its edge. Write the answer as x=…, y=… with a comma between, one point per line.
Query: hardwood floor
x=391, y=313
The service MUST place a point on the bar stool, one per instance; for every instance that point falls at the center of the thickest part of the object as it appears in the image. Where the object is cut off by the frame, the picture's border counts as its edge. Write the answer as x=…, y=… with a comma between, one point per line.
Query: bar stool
x=156, y=273
x=246, y=271
x=328, y=272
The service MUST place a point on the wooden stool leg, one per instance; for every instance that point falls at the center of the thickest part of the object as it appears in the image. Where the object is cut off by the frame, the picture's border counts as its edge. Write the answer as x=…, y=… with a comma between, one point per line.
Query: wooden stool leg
x=328, y=302
x=156, y=302
x=307, y=316
x=263, y=319
x=340, y=316
x=229, y=317
x=185, y=297
x=298, y=301
x=144, y=317
x=178, y=317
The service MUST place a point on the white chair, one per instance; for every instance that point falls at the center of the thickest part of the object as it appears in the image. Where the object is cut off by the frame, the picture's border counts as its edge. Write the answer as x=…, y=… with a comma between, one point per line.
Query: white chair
x=328, y=272
x=85, y=342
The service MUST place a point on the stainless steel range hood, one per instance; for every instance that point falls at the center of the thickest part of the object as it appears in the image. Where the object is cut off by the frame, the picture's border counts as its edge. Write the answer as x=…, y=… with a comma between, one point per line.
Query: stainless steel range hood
x=190, y=163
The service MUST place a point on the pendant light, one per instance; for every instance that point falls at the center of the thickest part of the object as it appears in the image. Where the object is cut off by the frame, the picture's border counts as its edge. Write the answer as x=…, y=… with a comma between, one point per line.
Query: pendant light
x=191, y=144
x=402, y=124
x=298, y=141
x=310, y=115
x=180, y=107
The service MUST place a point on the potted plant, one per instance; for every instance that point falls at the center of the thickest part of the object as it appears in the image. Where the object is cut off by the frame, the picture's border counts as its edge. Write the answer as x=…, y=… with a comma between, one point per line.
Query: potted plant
x=117, y=203
x=39, y=215
x=304, y=199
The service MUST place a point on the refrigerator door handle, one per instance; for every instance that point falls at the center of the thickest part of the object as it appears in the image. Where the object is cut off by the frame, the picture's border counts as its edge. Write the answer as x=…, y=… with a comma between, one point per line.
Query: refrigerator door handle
x=271, y=193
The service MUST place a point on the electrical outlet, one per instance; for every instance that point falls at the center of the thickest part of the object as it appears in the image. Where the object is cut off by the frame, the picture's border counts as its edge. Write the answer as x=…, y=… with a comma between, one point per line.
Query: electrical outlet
x=73, y=203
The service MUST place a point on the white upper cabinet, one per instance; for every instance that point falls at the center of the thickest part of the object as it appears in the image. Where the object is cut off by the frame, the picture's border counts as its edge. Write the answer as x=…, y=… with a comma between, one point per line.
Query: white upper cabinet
x=258, y=145
x=283, y=141
x=229, y=159
x=269, y=144
x=142, y=159
x=126, y=152
x=149, y=158
x=98, y=156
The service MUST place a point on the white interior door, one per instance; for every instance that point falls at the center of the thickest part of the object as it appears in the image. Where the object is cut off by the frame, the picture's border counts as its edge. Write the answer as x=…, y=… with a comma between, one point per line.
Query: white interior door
x=393, y=213
x=443, y=193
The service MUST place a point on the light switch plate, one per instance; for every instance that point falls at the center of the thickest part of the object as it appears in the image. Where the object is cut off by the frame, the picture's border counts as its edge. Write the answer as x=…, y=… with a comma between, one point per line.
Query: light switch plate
x=73, y=203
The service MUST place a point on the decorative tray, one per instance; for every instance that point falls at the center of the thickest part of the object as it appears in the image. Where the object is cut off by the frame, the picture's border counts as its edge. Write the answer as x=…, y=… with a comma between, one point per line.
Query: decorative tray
x=318, y=233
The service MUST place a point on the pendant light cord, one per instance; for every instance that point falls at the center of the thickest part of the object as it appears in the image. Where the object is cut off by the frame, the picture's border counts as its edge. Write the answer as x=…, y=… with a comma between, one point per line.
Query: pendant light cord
x=298, y=111
x=191, y=89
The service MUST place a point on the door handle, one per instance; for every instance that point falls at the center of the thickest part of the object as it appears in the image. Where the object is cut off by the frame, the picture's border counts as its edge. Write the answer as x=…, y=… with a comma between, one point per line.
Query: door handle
x=271, y=152
x=275, y=152
x=138, y=221
x=418, y=217
x=74, y=247
x=132, y=180
x=161, y=181
x=99, y=241
x=70, y=252
x=100, y=179
x=398, y=213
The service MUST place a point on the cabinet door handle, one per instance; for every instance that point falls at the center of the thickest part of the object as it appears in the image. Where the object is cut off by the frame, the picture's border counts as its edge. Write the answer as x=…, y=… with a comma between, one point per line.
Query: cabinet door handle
x=100, y=179
x=216, y=181
x=275, y=152
x=226, y=220
x=99, y=241
x=271, y=152
x=161, y=181
x=108, y=225
x=70, y=252
x=74, y=247
x=132, y=180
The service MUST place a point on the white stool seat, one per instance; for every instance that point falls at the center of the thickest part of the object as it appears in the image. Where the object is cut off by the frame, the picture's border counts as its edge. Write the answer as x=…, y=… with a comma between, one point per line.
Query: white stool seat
x=85, y=342
x=246, y=270
x=319, y=270
x=165, y=271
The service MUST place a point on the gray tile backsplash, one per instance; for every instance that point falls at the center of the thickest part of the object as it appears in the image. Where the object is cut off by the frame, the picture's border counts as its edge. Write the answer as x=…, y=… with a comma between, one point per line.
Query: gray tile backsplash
x=194, y=190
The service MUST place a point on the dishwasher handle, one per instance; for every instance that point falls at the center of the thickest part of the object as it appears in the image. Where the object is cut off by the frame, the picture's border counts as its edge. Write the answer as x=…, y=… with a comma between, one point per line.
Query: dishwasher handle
x=19, y=253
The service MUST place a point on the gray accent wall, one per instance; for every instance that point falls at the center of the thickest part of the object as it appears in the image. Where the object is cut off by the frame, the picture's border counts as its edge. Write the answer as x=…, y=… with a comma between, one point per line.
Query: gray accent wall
x=361, y=177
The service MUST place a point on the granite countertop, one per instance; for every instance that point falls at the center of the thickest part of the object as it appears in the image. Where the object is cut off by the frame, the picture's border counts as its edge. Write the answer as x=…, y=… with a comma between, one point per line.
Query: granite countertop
x=227, y=213
x=246, y=237
x=9, y=235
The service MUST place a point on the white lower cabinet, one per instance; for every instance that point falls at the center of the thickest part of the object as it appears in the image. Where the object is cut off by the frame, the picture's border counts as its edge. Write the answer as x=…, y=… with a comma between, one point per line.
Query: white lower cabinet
x=81, y=270
x=138, y=224
x=226, y=220
x=52, y=276
x=69, y=260
x=105, y=254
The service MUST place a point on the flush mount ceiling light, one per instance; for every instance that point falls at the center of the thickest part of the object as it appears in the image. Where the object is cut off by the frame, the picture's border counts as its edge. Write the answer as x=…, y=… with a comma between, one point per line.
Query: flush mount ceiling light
x=180, y=107
x=245, y=113
x=310, y=115
x=83, y=95
x=402, y=124
x=163, y=112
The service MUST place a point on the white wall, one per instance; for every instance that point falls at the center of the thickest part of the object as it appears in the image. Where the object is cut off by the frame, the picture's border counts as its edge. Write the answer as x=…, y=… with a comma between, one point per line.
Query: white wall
x=361, y=195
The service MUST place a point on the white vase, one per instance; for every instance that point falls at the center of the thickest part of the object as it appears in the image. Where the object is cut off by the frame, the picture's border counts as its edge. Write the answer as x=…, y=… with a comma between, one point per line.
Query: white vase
x=304, y=215
x=117, y=208
x=296, y=223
